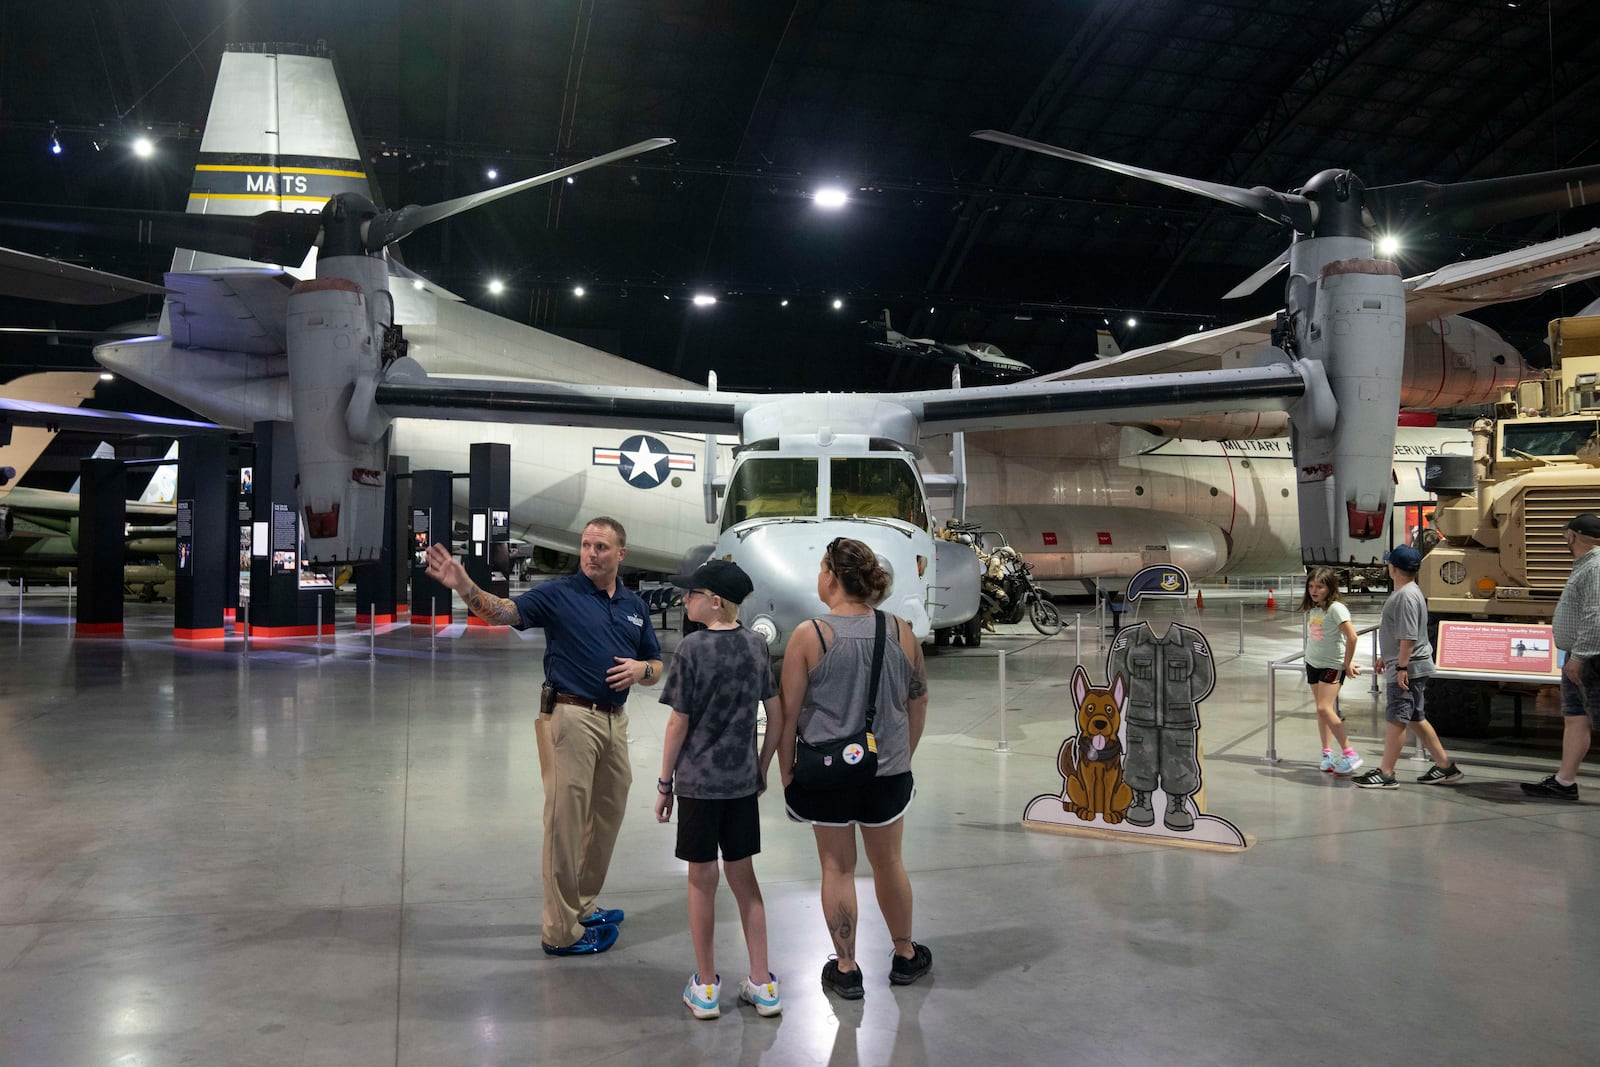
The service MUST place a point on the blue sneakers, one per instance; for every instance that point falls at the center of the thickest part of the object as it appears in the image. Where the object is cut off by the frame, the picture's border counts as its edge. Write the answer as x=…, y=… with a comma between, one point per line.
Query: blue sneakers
x=1348, y=764
x=764, y=995
x=703, y=998
x=603, y=917
x=1328, y=762
x=595, y=939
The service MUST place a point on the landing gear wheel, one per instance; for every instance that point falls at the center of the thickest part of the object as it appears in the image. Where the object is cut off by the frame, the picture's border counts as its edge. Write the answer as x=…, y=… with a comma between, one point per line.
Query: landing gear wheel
x=1044, y=616
x=972, y=632
x=941, y=637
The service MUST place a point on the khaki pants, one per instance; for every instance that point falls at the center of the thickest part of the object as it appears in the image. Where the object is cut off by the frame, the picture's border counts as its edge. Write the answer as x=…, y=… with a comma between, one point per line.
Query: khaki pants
x=583, y=762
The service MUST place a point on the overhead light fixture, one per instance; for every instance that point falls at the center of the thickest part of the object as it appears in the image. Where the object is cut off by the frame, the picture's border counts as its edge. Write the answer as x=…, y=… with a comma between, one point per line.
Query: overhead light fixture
x=704, y=300
x=571, y=180
x=837, y=303
x=416, y=283
x=930, y=311
x=1132, y=322
x=577, y=290
x=830, y=196
x=1388, y=245
x=491, y=174
x=107, y=376
x=55, y=143
x=143, y=147
x=784, y=302
x=496, y=286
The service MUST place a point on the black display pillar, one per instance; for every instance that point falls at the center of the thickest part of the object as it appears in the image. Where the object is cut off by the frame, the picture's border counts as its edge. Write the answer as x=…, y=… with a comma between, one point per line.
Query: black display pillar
x=431, y=603
x=375, y=581
x=205, y=538
x=278, y=606
x=400, y=561
x=488, y=558
x=241, y=483
x=102, y=526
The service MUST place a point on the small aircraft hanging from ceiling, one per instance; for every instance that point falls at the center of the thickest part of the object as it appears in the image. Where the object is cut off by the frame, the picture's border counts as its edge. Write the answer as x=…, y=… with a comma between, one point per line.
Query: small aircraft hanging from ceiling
x=980, y=356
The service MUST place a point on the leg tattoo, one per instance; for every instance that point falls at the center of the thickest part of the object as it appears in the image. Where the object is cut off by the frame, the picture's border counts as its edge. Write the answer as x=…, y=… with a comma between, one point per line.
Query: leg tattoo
x=843, y=928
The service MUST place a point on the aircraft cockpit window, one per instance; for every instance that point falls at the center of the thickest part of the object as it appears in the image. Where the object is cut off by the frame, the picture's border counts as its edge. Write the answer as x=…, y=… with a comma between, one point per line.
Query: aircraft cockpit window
x=771, y=488
x=1564, y=438
x=885, y=488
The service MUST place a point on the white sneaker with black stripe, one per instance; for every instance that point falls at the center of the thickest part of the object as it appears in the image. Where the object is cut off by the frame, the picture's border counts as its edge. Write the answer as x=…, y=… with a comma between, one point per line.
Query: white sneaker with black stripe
x=1376, y=779
x=1437, y=775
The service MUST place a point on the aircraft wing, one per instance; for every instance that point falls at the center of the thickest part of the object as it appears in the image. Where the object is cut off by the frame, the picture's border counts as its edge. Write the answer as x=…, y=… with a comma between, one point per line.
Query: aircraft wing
x=1474, y=283
x=27, y=502
x=230, y=310
x=18, y=412
x=39, y=278
x=414, y=394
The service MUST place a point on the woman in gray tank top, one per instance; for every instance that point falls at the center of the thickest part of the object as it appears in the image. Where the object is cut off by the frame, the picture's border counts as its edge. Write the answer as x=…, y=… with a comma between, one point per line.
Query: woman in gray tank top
x=825, y=685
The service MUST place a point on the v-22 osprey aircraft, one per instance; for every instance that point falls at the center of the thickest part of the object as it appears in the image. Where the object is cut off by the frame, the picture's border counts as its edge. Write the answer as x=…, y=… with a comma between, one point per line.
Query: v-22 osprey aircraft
x=365, y=343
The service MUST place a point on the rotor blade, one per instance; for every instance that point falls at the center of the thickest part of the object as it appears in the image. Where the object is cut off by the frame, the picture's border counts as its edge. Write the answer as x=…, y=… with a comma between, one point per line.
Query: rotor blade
x=1288, y=209
x=1259, y=278
x=390, y=227
x=39, y=278
x=1468, y=205
x=278, y=237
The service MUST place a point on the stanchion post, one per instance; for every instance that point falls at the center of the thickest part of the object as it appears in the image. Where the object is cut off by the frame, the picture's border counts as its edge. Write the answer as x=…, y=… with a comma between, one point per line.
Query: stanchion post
x=372, y=638
x=433, y=627
x=1002, y=747
x=1272, y=713
x=1241, y=627
x=319, y=620
x=1077, y=636
x=244, y=607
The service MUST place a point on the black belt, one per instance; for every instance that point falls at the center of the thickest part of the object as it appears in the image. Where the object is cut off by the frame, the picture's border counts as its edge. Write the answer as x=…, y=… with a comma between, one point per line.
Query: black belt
x=581, y=702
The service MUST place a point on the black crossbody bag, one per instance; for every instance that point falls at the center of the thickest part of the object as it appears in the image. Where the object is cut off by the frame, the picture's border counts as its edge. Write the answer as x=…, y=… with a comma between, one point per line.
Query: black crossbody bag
x=844, y=762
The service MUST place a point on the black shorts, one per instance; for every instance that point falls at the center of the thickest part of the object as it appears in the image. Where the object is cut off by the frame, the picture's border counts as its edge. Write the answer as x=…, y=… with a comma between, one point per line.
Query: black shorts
x=1324, y=675
x=706, y=825
x=877, y=804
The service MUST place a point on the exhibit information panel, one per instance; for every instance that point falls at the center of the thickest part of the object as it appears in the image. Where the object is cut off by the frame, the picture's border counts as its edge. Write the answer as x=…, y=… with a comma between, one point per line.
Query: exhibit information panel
x=1513, y=648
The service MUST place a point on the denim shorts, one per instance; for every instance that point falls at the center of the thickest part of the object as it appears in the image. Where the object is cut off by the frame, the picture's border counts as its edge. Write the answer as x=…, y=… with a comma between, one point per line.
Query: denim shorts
x=1406, y=705
x=1583, y=699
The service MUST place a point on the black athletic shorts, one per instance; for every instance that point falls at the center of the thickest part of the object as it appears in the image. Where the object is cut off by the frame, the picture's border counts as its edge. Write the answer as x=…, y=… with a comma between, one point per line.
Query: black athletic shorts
x=877, y=804
x=1324, y=675
x=706, y=825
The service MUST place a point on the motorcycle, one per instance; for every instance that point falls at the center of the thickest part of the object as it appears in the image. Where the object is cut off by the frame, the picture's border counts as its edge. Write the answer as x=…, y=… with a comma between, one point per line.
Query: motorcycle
x=1008, y=592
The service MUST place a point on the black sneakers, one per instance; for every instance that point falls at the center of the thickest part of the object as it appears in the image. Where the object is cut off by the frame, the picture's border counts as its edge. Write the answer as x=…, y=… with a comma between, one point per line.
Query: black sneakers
x=1437, y=775
x=845, y=983
x=1551, y=789
x=904, y=971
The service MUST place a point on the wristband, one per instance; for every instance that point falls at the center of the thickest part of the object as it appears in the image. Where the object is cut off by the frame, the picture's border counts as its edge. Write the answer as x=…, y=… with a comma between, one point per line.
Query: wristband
x=1403, y=667
x=663, y=787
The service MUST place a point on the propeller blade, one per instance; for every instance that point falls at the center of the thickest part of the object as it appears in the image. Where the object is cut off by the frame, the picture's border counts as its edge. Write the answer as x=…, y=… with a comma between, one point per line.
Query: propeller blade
x=1470, y=205
x=279, y=237
x=39, y=278
x=1287, y=209
x=390, y=227
x=1259, y=278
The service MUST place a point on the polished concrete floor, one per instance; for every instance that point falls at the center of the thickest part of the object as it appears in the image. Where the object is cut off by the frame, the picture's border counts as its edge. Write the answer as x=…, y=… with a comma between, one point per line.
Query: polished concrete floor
x=327, y=853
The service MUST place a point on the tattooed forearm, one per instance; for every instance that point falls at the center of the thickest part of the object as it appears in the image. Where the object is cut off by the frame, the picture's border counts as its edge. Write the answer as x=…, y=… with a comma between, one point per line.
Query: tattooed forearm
x=919, y=676
x=490, y=608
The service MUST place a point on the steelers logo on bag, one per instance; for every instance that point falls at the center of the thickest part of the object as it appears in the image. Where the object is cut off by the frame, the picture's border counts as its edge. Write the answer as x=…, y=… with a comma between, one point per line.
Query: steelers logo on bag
x=853, y=754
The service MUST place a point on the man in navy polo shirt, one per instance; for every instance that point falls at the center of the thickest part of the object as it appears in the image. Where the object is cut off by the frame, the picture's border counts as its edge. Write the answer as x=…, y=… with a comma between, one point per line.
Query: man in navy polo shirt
x=600, y=643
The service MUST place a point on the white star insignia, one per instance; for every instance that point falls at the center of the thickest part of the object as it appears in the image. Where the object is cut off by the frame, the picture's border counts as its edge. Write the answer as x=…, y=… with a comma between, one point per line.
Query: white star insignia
x=645, y=462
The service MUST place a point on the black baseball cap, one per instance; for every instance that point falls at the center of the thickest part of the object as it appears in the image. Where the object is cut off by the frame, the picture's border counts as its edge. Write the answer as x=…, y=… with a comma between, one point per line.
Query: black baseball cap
x=1587, y=524
x=720, y=576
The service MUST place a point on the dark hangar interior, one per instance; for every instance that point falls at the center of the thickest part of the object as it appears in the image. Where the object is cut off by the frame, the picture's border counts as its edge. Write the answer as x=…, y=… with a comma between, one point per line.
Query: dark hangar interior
x=959, y=239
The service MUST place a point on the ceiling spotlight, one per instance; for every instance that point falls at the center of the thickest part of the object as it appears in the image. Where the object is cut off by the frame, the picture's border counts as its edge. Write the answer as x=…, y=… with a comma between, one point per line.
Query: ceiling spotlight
x=829, y=196
x=1388, y=245
x=577, y=290
x=416, y=283
x=930, y=311
x=666, y=296
x=143, y=147
x=1132, y=322
x=491, y=174
x=107, y=376
x=496, y=286
x=704, y=300
x=55, y=143
x=837, y=303
x=571, y=180
x=784, y=302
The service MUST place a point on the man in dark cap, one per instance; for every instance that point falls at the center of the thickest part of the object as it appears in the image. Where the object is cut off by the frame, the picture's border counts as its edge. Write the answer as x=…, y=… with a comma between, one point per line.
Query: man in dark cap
x=1577, y=633
x=1405, y=656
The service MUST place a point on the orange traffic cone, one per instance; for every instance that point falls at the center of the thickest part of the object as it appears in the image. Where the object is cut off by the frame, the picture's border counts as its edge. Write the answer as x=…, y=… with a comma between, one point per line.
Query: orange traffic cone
x=1272, y=601
x=1199, y=600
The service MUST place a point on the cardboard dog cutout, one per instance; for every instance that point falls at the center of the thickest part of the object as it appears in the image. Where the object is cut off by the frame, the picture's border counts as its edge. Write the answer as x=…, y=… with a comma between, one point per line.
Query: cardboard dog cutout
x=1132, y=768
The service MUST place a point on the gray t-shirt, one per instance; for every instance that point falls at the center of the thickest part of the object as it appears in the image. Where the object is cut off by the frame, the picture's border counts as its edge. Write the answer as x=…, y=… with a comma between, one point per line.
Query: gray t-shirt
x=717, y=679
x=1405, y=618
